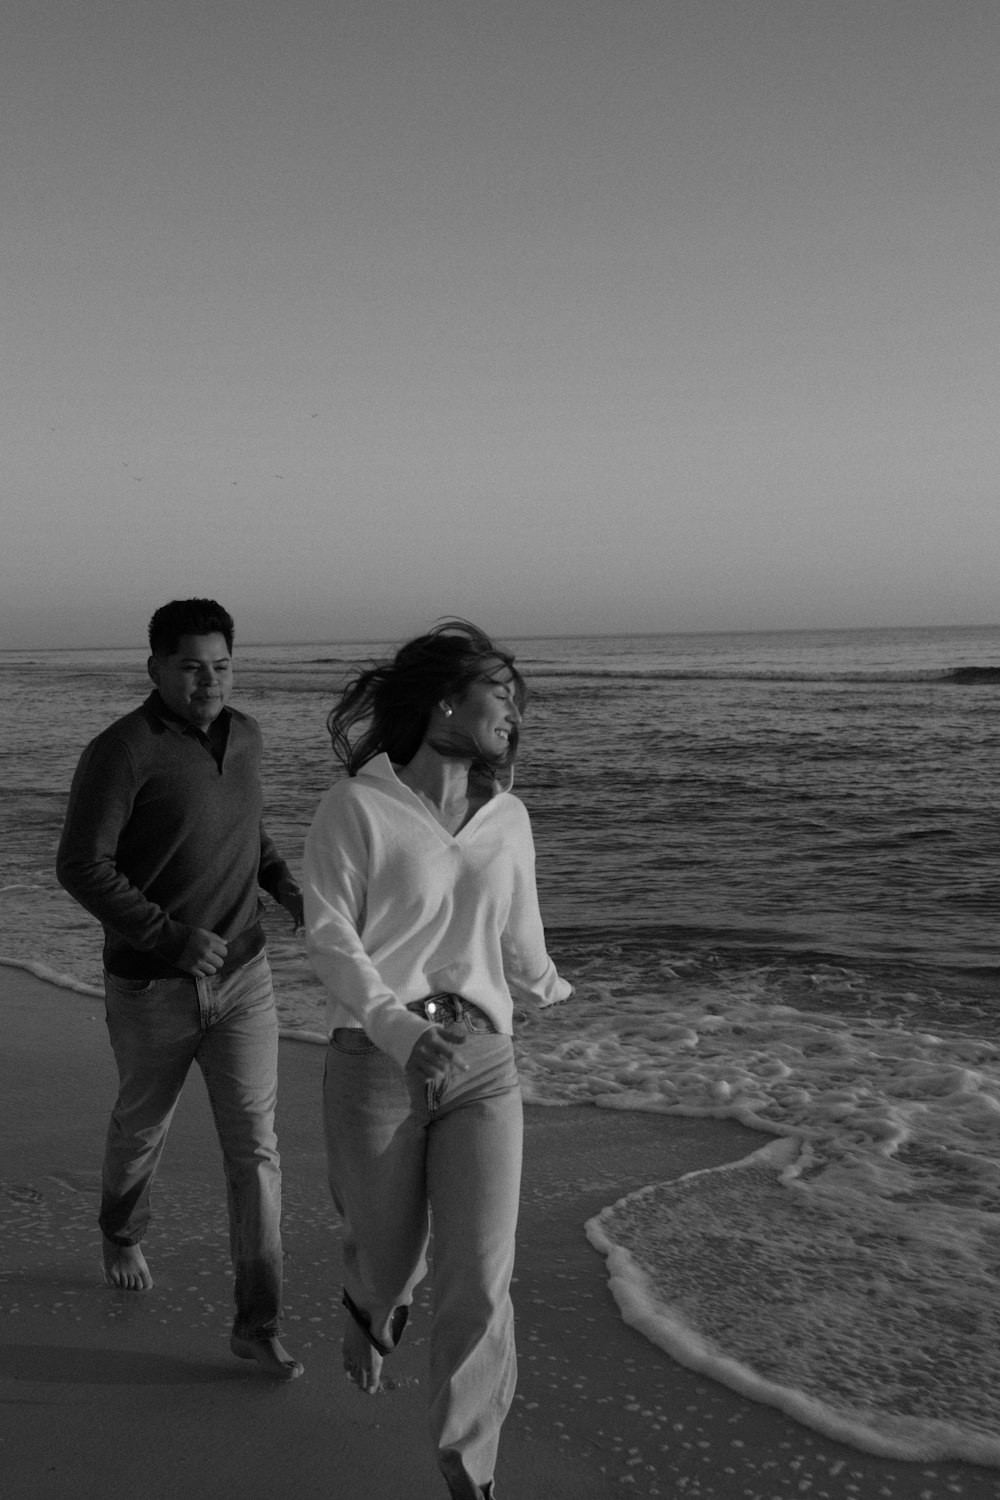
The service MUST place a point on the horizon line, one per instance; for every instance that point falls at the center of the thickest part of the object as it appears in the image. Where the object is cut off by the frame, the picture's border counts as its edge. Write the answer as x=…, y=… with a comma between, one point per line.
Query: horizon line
x=602, y=635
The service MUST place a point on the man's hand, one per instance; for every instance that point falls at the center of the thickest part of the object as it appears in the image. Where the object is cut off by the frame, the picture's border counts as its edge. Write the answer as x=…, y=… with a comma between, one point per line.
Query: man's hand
x=435, y=1052
x=203, y=954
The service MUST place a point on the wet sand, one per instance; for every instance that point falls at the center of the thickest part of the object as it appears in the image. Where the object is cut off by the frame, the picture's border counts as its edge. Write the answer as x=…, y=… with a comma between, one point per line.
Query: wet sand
x=108, y=1394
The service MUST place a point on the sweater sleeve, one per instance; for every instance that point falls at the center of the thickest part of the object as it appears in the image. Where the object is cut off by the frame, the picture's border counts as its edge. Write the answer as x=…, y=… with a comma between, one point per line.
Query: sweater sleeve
x=335, y=881
x=101, y=800
x=530, y=972
x=273, y=874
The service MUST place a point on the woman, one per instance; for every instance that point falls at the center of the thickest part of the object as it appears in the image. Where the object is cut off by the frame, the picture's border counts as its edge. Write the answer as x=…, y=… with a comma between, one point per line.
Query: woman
x=423, y=924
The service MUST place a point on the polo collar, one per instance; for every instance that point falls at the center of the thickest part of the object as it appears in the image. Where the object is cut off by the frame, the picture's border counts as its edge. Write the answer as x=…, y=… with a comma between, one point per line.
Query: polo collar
x=174, y=721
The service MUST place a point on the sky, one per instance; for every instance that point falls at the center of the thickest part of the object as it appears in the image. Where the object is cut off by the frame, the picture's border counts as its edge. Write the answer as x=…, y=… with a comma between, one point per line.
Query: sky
x=561, y=315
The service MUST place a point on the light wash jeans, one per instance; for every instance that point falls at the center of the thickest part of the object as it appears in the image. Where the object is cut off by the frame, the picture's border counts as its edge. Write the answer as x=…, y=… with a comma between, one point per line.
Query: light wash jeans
x=400, y=1151
x=229, y=1026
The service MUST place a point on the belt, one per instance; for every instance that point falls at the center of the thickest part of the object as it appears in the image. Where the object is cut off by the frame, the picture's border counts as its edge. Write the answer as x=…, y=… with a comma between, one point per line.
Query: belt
x=444, y=1009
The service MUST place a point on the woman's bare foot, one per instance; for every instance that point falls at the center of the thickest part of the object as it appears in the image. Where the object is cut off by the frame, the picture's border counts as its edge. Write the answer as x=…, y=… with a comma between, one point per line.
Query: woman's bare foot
x=362, y=1362
x=125, y=1267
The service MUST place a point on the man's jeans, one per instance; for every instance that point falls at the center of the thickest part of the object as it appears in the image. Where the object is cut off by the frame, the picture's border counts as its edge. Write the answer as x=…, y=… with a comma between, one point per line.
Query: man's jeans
x=229, y=1026
x=396, y=1147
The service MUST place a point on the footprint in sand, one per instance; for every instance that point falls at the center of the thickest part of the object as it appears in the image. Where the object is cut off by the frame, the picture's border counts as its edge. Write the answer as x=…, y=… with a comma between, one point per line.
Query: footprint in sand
x=21, y=1193
x=75, y=1182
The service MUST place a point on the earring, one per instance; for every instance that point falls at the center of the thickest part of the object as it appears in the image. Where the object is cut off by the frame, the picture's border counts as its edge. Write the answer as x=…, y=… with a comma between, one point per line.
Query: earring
x=447, y=710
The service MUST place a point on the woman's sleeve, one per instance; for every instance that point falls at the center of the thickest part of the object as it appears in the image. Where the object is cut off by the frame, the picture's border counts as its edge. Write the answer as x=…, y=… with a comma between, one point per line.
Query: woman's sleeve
x=530, y=972
x=334, y=884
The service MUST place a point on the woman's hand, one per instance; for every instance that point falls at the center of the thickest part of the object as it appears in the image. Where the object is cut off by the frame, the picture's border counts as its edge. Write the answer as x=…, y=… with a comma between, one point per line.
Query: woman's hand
x=435, y=1052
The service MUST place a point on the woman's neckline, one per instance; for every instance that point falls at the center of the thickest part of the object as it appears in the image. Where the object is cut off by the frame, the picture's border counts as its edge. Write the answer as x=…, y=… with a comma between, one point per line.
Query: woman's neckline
x=452, y=807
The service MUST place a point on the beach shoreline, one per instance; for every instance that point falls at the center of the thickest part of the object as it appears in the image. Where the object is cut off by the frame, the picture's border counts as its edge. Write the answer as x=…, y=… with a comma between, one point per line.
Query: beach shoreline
x=599, y=1411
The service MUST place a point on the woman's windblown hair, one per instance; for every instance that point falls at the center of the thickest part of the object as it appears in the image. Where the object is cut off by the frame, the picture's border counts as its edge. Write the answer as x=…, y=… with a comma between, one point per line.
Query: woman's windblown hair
x=386, y=708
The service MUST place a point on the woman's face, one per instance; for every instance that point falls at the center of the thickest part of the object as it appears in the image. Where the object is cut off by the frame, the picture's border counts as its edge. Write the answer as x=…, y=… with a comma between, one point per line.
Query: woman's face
x=487, y=713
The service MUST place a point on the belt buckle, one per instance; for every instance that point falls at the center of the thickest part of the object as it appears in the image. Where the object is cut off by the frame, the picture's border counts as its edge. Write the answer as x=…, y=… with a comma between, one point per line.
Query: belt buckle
x=443, y=1008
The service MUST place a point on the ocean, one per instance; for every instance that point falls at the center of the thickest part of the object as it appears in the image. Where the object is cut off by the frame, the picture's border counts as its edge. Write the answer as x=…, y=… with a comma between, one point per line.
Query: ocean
x=769, y=864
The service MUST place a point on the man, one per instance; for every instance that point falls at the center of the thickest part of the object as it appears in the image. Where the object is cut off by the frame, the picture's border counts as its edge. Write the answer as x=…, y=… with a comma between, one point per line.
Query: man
x=164, y=844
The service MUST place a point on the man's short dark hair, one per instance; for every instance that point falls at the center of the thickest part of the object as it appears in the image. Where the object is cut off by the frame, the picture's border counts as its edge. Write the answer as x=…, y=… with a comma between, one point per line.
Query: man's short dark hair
x=188, y=617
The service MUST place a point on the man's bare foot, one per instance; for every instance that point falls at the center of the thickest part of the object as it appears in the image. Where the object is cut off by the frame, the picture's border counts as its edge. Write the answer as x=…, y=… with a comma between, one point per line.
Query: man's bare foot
x=362, y=1362
x=273, y=1359
x=125, y=1267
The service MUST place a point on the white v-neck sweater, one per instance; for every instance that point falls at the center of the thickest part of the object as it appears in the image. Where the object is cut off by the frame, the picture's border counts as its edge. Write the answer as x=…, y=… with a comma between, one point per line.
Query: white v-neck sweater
x=397, y=908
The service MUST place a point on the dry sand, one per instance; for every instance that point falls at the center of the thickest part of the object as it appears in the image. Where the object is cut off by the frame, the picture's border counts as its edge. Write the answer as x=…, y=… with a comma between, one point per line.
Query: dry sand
x=115, y=1396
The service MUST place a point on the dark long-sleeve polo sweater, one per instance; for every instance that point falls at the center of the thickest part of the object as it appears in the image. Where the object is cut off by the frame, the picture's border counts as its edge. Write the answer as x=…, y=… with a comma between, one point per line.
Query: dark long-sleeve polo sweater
x=163, y=834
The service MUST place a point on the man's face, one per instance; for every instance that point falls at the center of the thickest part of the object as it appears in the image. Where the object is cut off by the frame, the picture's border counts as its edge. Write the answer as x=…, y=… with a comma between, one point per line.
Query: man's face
x=196, y=680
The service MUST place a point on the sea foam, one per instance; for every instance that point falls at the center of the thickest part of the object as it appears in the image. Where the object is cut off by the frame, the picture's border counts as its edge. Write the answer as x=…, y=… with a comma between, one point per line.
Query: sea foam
x=849, y=1272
